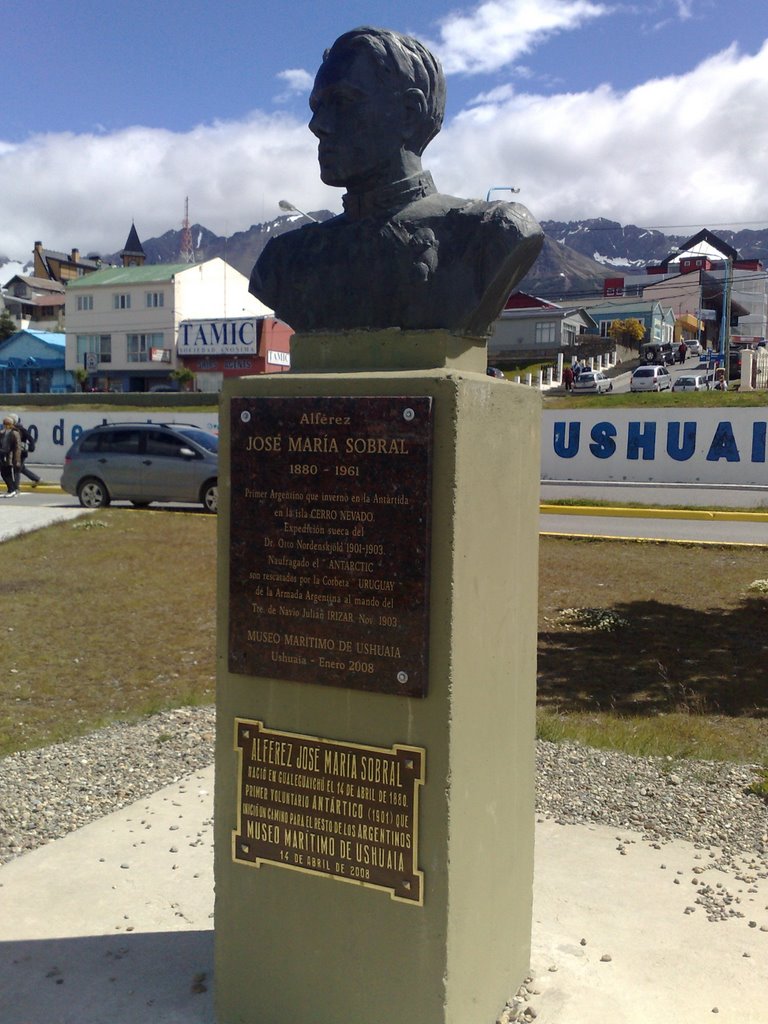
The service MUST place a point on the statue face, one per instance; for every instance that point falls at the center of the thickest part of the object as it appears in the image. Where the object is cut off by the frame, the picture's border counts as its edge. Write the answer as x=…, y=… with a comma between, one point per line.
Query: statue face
x=357, y=121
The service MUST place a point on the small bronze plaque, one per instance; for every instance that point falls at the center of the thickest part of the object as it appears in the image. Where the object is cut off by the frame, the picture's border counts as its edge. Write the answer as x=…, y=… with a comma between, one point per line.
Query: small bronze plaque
x=329, y=541
x=343, y=810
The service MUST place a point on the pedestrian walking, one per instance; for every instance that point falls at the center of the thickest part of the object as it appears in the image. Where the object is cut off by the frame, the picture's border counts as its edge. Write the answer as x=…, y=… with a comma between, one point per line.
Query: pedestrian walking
x=568, y=378
x=27, y=447
x=10, y=457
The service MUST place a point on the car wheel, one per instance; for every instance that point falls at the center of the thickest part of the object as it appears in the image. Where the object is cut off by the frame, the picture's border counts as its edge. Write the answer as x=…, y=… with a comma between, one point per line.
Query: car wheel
x=209, y=496
x=92, y=493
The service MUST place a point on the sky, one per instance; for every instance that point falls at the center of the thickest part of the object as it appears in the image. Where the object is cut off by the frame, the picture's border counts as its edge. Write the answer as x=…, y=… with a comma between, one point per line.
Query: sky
x=646, y=112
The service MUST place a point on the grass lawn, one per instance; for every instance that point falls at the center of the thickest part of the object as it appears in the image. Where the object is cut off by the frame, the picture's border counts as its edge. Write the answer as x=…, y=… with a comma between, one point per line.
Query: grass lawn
x=109, y=617
x=654, y=648
x=113, y=617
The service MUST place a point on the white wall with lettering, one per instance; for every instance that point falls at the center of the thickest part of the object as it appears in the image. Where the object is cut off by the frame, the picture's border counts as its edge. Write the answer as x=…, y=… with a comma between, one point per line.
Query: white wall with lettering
x=707, y=446
x=54, y=432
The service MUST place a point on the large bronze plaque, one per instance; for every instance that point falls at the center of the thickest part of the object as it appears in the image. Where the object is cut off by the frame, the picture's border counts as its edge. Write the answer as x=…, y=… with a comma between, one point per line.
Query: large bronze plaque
x=329, y=541
x=343, y=810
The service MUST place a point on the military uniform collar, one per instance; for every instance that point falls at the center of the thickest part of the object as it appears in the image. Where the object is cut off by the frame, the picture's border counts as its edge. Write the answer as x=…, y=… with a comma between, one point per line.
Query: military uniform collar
x=383, y=201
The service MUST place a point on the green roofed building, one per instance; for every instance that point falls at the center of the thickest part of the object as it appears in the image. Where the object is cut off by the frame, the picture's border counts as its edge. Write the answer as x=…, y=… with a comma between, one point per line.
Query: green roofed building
x=122, y=323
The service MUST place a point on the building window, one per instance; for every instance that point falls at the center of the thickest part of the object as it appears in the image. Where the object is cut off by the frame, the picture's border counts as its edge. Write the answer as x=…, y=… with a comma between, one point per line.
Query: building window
x=122, y=301
x=155, y=300
x=84, y=302
x=139, y=346
x=101, y=344
x=546, y=334
x=605, y=328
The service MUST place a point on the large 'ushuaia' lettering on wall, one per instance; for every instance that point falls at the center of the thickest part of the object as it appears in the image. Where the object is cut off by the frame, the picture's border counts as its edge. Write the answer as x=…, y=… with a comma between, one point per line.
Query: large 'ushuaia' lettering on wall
x=641, y=441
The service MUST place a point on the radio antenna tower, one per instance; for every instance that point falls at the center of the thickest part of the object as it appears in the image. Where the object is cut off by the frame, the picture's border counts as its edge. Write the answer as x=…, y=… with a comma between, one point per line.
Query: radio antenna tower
x=186, y=251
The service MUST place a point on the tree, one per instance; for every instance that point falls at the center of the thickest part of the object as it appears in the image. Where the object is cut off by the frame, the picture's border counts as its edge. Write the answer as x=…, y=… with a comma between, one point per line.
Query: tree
x=8, y=325
x=629, y=333
x=183, y=377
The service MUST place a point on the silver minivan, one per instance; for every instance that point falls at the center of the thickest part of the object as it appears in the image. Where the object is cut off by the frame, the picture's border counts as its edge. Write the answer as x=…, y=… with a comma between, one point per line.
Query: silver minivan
x=650, y=378
x=142, y=463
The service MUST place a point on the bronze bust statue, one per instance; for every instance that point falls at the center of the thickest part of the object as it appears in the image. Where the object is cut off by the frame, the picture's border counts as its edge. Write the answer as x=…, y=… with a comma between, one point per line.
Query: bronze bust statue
x=401, y=254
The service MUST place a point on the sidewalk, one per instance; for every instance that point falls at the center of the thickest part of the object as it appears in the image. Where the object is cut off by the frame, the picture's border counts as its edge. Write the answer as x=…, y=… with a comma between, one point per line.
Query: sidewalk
x=16, y=519
x=114, y=923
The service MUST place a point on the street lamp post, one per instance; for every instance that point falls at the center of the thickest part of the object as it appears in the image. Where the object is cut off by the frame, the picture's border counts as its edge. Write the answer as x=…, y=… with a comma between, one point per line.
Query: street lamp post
x=290, y=208
x=501, y=188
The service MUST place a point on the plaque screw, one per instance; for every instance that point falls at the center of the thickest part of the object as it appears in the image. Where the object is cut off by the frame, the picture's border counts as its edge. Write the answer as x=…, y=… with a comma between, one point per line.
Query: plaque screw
x=402, y=677
x=408, y=414
x=245, y=416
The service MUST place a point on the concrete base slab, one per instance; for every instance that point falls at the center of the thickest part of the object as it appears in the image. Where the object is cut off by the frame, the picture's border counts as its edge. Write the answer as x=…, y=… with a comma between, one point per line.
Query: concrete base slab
x=113, y=923
x=84, y=940
x=615, y=927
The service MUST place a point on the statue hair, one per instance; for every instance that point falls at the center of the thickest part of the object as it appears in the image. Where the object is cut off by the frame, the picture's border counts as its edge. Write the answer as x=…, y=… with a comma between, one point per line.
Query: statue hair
x=402, y=63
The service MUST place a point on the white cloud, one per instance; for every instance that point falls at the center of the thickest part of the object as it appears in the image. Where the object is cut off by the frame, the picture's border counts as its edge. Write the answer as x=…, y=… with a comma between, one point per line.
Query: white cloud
x=83, y=191
x=498, y=32
x=688, y=149
x=297, y=81
x=681, y=11
x=684, y=9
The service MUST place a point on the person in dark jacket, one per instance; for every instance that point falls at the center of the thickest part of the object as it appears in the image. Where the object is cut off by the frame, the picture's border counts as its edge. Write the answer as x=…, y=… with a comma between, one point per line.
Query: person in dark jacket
x=27, y=445
x=10, y=457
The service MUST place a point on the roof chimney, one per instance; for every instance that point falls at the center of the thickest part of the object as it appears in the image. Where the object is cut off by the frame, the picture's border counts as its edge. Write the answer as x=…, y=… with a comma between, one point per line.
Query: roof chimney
x=75, y=255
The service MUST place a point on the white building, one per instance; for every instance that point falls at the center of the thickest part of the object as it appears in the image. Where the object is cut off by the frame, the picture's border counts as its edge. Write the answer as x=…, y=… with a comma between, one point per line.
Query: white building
x=122, y=322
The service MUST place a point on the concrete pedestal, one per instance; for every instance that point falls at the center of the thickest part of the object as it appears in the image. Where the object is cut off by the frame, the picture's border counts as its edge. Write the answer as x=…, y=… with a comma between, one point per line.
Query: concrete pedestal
x=293, y=946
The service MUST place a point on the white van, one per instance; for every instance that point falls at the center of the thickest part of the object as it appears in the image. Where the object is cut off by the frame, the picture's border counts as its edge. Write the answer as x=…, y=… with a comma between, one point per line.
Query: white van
x=651, y=378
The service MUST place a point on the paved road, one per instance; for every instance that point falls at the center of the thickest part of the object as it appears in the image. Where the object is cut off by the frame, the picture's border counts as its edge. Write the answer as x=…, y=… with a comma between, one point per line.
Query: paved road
x=658, y=495
x=35, y=508
x=691, y=365
x=713, y=531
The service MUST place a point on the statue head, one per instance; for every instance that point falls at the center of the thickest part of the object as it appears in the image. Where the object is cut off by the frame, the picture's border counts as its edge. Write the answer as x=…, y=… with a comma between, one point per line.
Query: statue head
x=377, y=101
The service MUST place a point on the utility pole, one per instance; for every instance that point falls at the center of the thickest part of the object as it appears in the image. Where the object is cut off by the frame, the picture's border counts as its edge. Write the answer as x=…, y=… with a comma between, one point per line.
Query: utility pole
x=186, y=251
x=725, y=323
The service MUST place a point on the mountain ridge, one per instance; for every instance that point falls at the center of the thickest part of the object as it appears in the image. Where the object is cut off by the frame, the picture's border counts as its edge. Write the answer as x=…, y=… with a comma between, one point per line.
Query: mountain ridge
x=576, y=258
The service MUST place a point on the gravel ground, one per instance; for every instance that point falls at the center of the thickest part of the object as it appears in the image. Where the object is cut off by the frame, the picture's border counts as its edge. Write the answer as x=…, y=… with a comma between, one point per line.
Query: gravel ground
x=707, y=803
x=46, y=793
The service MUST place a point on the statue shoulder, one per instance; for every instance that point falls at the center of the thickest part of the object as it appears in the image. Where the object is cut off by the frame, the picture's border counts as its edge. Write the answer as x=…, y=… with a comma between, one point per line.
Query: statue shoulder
x=498, y=220
x=271, y=272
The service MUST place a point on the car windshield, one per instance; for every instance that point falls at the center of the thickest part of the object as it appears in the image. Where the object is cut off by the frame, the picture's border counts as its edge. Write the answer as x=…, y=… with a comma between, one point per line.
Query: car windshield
x=208, y=441
x=644, y=371
x=686, y=380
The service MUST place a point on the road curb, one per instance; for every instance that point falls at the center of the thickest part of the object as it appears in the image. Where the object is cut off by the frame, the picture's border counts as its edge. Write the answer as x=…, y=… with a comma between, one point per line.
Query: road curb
x=652, y=513
x=546, y=508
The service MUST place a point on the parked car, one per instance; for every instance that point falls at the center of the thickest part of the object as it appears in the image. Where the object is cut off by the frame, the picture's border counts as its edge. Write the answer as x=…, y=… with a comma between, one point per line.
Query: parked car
x=142, y=463
x=661, y=354
x=650, y=378
x=694, y=348
x=592, y=382
x=694, y=382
